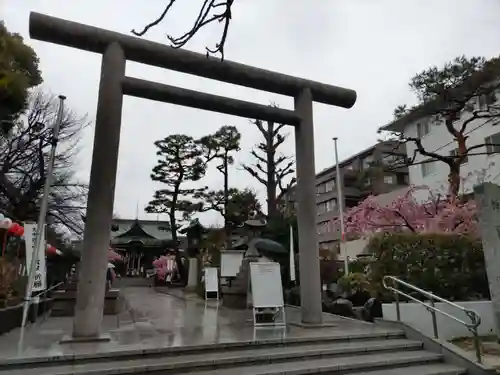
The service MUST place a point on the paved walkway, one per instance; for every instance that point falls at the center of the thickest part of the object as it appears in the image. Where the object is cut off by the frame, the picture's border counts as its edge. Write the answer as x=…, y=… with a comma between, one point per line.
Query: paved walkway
x=158, y=320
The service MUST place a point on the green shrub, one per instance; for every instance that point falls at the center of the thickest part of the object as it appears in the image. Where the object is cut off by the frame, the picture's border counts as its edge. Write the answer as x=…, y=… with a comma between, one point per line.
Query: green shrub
x=448, y=265
x=354, y=282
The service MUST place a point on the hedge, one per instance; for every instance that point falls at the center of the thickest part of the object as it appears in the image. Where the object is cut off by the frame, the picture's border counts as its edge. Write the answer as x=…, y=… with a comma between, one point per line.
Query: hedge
x=448, y=265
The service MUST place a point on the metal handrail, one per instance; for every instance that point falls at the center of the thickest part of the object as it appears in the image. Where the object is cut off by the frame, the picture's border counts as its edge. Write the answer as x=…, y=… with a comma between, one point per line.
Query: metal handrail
x=475, y=319
x=36, y=295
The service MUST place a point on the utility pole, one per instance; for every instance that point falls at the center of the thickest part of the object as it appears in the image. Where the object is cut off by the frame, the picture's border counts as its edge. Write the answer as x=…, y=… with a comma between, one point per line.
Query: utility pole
x=43, y=208
x=340, y=205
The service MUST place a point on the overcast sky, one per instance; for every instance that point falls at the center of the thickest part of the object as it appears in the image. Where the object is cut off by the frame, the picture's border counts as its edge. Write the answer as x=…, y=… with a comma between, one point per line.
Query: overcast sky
x=372, y=46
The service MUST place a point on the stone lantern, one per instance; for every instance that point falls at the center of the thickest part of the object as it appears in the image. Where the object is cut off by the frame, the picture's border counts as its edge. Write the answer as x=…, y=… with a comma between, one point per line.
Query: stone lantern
x=194, y=233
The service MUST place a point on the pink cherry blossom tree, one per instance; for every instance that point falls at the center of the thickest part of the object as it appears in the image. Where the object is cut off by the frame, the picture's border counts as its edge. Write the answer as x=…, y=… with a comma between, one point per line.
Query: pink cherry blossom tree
x=164, y=266
x=405, y=213
x=113, y=256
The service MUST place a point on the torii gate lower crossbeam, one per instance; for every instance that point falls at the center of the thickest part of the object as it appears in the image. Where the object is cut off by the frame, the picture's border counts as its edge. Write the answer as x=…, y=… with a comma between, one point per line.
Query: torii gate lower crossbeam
x=116, y=49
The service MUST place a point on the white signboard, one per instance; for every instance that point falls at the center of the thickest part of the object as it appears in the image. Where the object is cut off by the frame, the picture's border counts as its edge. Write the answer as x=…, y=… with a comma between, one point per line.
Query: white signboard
x=211, y=280
x=265, y=278
x=231, y=262
x=40, y=280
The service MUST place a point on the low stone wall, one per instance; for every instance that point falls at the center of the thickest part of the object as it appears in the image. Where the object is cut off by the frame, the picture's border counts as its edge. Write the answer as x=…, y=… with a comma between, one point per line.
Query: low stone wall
x=11, y=317
x=417, y=316
x=64, y=302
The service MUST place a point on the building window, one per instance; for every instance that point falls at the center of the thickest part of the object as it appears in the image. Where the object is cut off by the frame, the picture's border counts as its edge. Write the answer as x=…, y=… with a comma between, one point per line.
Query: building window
x=483, y=101
x=492, y=144
x=402, y=179
x=321, y=188
x=367, y=162
x=330, y=185
x=389, y=179
x=321, y=208
x=331, y=205
x=422, y=129
x=428, y=168
x=323, y=227
x=455, y=154
x=349, y=167
x=392, y=159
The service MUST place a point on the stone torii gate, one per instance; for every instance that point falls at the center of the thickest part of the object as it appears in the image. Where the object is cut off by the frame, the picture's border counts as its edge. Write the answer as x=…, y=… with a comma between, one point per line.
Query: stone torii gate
x=116, y=49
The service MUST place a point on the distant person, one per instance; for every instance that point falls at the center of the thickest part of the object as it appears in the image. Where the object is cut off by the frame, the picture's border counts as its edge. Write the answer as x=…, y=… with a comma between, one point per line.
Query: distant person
x=109, y=278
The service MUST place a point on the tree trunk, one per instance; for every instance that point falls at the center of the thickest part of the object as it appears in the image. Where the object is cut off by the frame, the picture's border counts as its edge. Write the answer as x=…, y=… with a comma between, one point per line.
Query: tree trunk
x=271, y=172
x=454, y=180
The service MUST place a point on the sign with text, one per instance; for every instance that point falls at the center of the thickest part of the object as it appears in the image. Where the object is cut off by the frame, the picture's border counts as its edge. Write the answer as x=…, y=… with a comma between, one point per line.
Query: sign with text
x=40, y=280
x=231, y=262
x=265, y=279
x=211, y=279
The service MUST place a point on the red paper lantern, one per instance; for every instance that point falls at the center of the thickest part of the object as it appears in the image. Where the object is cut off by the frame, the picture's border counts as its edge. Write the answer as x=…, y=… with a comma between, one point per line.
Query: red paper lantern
x=51, y=250
x=20, y=231
x=15, y=228
x=12, y=228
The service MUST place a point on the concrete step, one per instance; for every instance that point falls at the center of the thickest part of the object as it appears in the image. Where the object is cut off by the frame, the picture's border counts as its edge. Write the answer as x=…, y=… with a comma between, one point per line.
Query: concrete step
x=359, y=338
x=345, y=357
x=431, y=369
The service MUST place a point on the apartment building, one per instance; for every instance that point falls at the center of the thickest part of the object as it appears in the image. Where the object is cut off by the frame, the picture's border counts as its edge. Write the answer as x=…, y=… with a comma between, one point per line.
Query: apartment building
x=377, y=170
x=483, y=164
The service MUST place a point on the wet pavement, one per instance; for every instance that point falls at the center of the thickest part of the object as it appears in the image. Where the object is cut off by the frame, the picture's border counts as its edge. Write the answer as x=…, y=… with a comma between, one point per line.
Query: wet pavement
x=159, y=320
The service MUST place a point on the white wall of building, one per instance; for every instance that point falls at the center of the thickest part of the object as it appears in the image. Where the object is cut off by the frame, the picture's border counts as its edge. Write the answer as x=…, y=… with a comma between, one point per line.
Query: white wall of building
x=439, y=140
x=417, y=316
x=352, y=248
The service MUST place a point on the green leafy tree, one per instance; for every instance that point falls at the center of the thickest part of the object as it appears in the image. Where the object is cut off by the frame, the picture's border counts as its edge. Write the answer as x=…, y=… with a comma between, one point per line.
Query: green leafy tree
x=18, y=73
x=271, y=168
x=220, y=146
x=179, y=162
x=459, y=95
x=211, y=11
x=240, y=206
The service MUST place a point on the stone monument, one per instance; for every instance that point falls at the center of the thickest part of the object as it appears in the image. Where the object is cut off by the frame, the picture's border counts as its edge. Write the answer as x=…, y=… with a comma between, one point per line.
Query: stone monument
x=235, y=295
x=487, y=197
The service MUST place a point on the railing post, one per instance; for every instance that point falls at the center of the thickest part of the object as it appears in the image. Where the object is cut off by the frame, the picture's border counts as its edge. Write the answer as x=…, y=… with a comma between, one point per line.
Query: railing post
x=398, y=311
x=434, y=319
x=477, y=342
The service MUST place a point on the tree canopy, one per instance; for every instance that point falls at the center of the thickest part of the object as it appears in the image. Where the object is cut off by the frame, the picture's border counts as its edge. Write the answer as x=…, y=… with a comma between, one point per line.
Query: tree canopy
x=460, y=95
x=241, y=205
x=19, y=71
x=405, y=213
x=220, y=146
x=179, y=162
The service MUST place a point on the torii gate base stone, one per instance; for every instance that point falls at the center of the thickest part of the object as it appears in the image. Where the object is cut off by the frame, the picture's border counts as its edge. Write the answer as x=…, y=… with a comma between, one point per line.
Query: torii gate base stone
x=116, y=49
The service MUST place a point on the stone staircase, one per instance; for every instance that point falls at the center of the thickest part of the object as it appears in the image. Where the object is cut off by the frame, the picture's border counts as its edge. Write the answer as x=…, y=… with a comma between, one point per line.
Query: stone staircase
x=371, y=353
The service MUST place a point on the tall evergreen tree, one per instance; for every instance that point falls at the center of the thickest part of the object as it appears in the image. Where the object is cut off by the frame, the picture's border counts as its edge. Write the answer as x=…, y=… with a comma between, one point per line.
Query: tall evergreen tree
x=179, y=162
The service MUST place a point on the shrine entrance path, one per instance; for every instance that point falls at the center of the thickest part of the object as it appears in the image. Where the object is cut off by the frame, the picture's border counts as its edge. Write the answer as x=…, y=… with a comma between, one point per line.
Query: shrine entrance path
x=159, y=320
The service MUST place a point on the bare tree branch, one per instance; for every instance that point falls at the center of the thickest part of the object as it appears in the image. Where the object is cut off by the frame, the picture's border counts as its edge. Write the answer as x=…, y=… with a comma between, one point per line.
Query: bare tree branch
x=205, y=17
x=269, y=168
x=23, y=164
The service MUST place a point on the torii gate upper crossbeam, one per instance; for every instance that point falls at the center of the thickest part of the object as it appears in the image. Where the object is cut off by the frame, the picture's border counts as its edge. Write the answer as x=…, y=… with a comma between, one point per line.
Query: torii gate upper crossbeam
x=93, y=39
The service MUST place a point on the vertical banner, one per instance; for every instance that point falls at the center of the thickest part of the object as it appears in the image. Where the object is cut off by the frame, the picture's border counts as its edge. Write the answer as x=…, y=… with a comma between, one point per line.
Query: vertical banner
x=40, y=280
